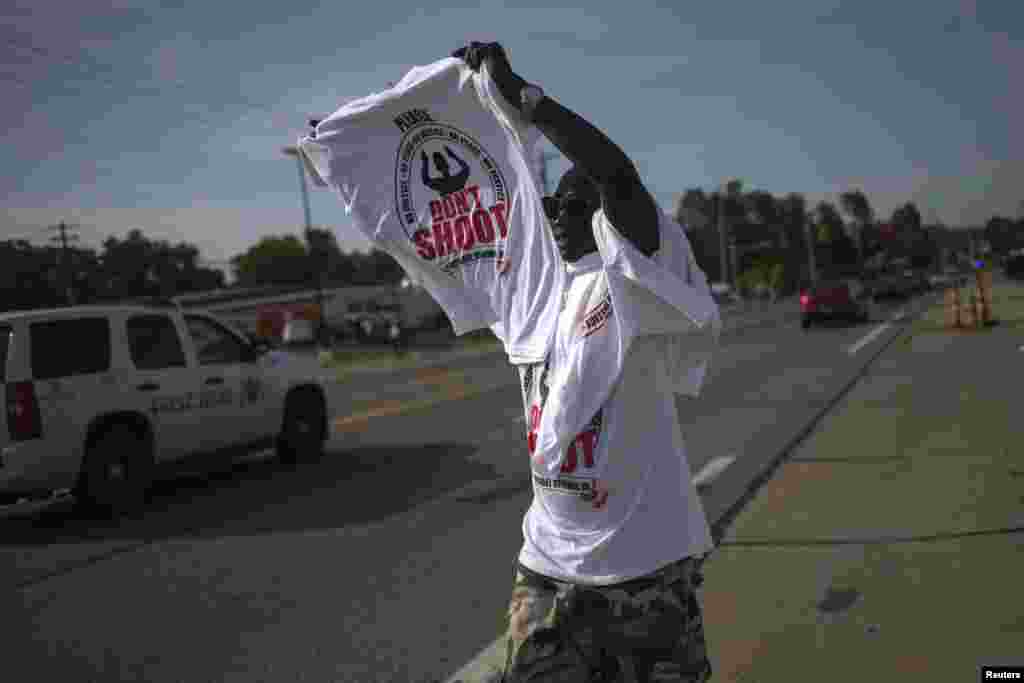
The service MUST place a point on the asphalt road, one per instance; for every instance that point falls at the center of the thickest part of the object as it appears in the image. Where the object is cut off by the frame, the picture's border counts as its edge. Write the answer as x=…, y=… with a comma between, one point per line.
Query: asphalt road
x=390, y=560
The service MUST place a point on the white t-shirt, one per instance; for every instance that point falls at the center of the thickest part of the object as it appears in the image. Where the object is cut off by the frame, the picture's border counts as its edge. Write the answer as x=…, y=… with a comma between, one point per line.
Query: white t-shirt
x=620, y=503
x=435, y=172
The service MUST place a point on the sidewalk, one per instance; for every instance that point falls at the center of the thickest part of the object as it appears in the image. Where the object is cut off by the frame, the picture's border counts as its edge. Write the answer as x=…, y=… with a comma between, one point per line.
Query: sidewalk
x=888, y=546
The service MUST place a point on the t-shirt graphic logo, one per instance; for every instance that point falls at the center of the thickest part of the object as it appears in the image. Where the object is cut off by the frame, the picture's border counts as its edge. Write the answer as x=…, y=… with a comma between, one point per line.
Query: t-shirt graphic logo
x=447, y=183
x=580, y=455
x=451, y=196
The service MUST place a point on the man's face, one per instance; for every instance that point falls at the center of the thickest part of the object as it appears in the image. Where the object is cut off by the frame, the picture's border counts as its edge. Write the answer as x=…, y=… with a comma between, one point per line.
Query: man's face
x=570, y=211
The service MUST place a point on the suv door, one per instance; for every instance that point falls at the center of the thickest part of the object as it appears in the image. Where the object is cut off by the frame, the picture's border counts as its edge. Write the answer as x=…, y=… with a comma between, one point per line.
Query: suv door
x=164, y=383
x=70, y=363
x=228, y=365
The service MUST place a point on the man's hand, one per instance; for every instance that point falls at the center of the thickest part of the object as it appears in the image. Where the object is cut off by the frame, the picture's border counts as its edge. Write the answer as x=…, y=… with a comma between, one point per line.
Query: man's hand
x=477, y=53
x=493, y=54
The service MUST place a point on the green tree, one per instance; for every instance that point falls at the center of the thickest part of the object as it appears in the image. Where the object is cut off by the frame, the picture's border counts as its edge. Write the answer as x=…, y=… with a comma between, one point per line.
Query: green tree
x=765, y=213
x=693, y=209
x=793, y=215
x=907, y=228
x=828, y=222
x=906, y=217
x=327, y=259
x=375, y=268
x=138, y=266
x=856, y=205
x=836, y=251
x=274, y=260
x=697, y=212
x=1004, y=234
x=28, y=276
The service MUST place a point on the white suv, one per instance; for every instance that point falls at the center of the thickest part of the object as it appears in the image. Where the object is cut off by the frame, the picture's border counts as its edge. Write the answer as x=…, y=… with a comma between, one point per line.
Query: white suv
x=98, y=396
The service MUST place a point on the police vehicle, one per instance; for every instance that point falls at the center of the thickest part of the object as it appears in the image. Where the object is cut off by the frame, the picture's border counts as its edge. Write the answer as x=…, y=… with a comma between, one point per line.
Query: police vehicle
x=98, y=397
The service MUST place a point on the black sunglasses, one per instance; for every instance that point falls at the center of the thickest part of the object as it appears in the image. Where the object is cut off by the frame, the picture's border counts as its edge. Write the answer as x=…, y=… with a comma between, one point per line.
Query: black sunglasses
x=574, y=206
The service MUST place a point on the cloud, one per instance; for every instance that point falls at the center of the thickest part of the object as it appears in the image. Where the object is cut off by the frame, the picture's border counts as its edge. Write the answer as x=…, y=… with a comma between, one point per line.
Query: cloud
x=986, y=187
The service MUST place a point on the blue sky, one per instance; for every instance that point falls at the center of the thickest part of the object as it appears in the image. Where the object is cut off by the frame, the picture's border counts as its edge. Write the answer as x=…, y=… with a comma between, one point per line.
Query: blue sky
x=170, y=116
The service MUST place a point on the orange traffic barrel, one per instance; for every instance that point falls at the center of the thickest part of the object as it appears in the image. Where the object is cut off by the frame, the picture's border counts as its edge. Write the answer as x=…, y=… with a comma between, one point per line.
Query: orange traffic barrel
x=968, y=312
x=952, y=307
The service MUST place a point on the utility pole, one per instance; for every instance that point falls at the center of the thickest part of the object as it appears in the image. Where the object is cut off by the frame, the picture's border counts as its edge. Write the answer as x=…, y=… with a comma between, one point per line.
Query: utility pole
x=811, y=238
x=293, y=151
x=722, y=240
x=64, y=260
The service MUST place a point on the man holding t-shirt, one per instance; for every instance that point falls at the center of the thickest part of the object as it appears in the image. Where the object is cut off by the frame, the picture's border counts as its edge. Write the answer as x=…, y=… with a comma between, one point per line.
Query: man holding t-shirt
x=605, y=584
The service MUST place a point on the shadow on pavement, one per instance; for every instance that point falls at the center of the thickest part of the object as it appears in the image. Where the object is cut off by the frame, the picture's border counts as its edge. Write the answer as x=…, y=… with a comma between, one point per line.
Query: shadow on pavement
x=263, y=496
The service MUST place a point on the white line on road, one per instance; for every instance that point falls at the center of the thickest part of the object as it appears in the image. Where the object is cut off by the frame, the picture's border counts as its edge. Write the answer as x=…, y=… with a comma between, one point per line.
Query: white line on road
x=488, y=662
x=868, y=338
x=712, y=469
x=873, y=334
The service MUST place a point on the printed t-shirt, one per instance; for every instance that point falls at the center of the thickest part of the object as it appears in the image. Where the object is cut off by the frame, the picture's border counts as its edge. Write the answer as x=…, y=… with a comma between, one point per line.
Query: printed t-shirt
x=620, y=502
x=435, y=171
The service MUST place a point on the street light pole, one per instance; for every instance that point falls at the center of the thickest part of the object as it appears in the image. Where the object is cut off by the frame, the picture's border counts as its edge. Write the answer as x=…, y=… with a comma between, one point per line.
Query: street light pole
x=811, y=239
x=293, y=151
x=722, y=242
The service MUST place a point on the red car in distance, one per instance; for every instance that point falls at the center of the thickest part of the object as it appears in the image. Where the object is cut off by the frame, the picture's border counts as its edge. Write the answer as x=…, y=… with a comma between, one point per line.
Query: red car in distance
x=846, y=299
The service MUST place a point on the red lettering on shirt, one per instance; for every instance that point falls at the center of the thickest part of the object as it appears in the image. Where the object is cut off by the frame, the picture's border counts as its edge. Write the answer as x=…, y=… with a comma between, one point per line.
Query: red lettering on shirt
x=475, y=191
x=463, y=233
x=444, y=241
x=531, y=435
x=423, y=246
x=449, y=206
x=569, y=463
x=600, y=495
x=498, y=211
x=436, y=210
x=461, y=202
x=482, y=226
x=586, y=442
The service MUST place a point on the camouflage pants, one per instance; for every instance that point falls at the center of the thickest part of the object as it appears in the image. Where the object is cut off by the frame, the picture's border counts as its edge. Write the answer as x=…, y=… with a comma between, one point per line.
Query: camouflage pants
x=648, y=630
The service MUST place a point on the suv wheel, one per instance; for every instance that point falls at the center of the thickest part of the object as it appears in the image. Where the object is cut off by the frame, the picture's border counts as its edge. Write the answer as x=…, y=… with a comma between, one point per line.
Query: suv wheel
x=116, y=474
x=303, y=432
x=805, y=321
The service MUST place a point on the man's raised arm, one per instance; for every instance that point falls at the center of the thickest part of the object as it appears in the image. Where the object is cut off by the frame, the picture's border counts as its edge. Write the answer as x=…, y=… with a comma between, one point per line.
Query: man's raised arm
x=626, y=202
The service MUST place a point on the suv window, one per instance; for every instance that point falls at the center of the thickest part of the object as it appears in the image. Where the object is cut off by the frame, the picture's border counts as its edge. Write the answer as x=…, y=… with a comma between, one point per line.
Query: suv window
x=52, y=358
x=5, y=345
x=215, y=344
x=154, y=342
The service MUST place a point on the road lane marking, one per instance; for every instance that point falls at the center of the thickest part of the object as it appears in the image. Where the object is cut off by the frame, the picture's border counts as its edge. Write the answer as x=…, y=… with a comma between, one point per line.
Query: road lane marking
x=490, y=660
x=868, y=338
x=712, y=469
x=455, y=391
x=874, y=334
